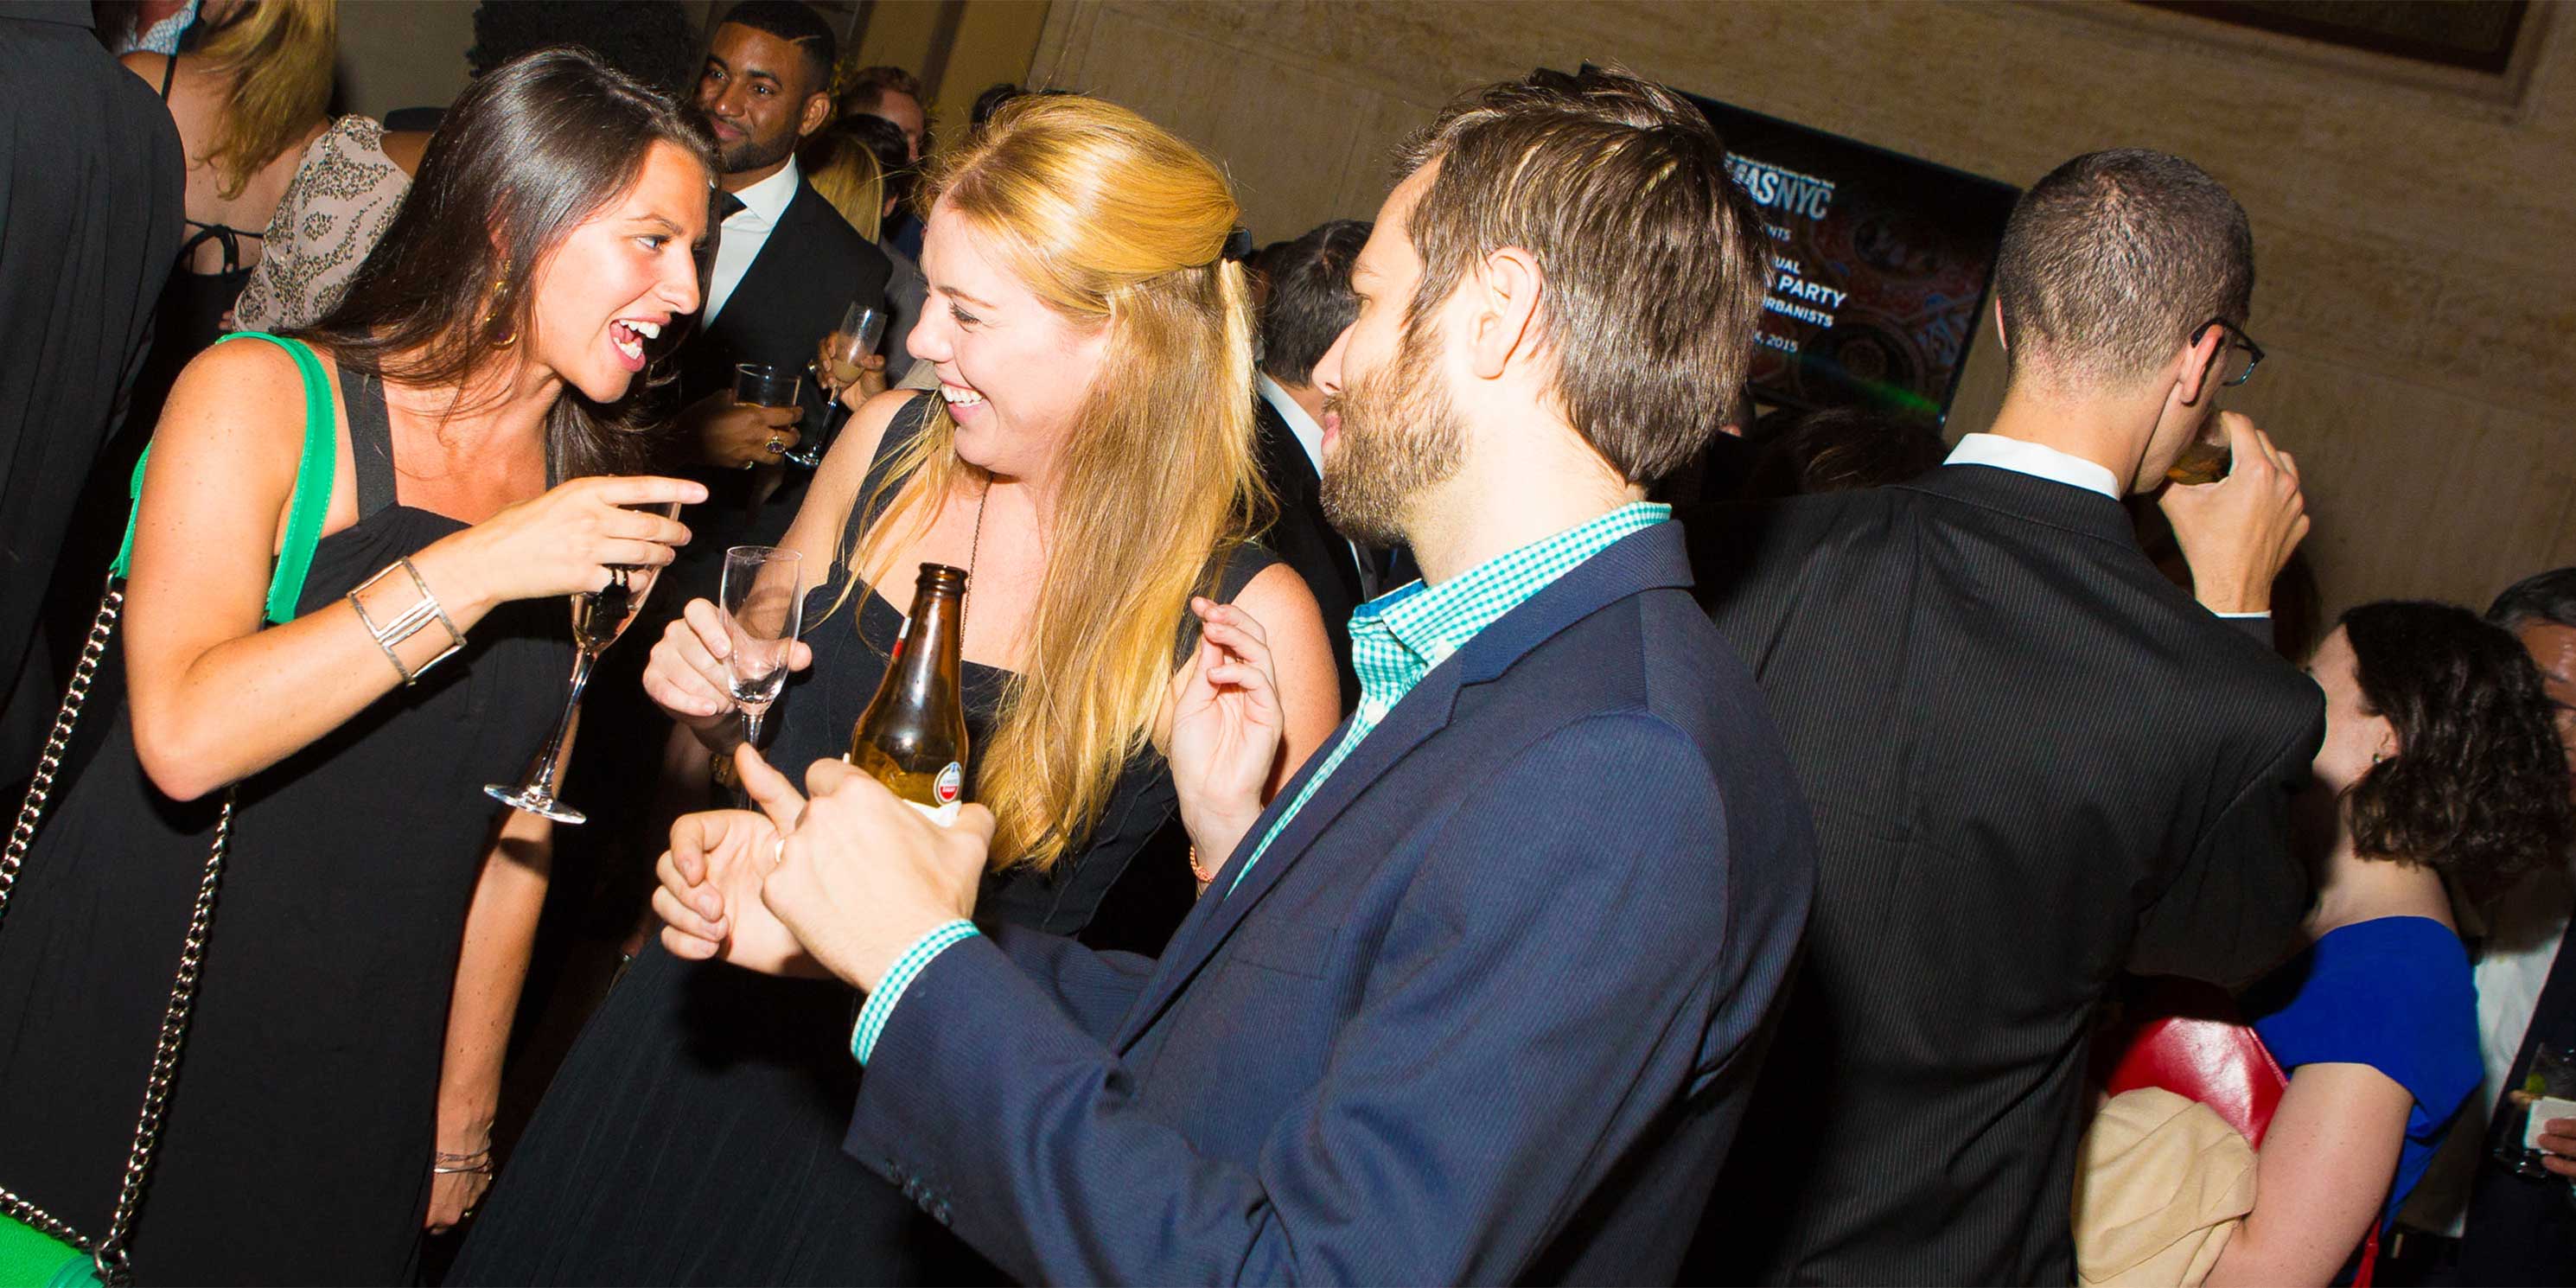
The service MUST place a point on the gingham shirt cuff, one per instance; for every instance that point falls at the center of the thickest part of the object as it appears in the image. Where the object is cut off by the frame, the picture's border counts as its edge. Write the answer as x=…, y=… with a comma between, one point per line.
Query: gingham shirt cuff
x=881, y=1003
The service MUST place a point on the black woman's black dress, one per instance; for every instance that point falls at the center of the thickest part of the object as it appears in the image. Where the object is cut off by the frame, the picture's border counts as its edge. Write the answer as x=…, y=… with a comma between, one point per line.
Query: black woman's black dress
x=693, y=1136
x=300, y=1132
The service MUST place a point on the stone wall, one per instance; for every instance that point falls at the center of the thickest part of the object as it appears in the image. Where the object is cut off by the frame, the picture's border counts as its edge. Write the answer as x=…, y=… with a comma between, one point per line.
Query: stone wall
x=2416, y=233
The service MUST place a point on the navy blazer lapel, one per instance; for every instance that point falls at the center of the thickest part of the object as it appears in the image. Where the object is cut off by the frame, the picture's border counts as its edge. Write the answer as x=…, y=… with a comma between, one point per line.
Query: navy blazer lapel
x=1422, y=713
x=1654, y=557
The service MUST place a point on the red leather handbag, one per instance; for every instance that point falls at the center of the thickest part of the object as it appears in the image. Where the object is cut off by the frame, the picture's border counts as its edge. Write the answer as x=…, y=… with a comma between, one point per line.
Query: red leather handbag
x=2186, y=1038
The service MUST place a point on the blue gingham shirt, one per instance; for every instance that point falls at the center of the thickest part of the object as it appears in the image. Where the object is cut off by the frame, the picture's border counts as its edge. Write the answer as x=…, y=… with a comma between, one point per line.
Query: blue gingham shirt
x=1396, y=639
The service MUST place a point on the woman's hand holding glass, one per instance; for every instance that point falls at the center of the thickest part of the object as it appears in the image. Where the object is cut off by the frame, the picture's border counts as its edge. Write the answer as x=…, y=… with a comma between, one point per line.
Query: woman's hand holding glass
x=846, y=364
x=599, y=616
x=1227, y=726
x=866, y=375
x=688, y=675
x=564, y=542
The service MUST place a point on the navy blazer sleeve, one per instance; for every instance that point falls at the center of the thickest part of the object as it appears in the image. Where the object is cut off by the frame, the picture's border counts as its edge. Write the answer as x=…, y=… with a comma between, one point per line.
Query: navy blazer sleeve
x=1547, y=989
x=1096, y=989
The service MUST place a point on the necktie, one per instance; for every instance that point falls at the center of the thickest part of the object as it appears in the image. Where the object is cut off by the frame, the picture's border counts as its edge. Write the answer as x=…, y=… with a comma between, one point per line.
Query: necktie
x=726, y=205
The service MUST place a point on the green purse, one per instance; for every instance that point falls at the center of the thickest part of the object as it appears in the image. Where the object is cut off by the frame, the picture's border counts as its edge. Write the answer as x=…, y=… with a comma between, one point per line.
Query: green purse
x=37, y=1248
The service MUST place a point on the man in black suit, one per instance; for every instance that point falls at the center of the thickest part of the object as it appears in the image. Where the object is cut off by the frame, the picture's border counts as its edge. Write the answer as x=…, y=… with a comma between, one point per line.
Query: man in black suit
x=785, y=264
x=90, y=178
x=1308, y=305
x=2473, y=1221
x=2034, y=763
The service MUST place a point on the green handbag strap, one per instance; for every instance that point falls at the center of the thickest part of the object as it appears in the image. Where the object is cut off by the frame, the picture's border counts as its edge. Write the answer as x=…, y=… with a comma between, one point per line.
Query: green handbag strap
x=313, y=477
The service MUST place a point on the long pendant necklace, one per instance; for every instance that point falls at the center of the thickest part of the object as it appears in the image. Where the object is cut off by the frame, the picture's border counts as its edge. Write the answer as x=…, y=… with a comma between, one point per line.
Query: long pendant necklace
x=974, y=551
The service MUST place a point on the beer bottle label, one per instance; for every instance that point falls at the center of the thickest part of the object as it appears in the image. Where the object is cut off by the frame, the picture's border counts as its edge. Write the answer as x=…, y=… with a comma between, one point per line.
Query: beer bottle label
x=950, y=788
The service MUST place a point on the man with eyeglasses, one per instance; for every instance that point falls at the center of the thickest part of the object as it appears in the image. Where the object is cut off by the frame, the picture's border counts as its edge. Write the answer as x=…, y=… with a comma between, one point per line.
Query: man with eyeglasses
x=2034, y=764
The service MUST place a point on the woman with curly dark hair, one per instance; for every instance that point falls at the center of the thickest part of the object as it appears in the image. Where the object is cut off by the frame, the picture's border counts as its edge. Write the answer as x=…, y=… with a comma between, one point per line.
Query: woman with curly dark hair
x=2443, y=772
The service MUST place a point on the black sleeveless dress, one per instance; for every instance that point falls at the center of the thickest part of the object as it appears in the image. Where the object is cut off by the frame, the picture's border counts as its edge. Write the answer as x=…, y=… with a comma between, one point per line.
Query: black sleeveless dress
x=693, y=1136
x=300, y=1132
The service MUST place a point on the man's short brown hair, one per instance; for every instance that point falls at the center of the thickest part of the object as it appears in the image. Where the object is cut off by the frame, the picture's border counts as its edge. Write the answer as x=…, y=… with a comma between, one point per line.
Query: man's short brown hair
x=2112, y=261
x=864, y=89
x=1654, y=260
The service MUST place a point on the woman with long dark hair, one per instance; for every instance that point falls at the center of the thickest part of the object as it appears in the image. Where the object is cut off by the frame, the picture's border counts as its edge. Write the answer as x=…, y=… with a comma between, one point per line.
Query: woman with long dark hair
x=485, y=351
x=2441, y=776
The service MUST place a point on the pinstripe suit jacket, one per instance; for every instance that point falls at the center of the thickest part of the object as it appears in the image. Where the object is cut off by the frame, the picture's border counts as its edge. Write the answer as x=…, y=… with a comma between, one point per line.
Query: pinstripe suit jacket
x=1485, y=1010
x=2034, y=765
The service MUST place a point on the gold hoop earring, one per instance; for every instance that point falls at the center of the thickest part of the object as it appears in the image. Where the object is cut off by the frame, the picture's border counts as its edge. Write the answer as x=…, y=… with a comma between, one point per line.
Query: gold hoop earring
x=500, y=290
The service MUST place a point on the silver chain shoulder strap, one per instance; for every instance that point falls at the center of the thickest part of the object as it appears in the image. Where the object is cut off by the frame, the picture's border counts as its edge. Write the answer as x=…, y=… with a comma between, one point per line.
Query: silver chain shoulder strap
x=107, y=1254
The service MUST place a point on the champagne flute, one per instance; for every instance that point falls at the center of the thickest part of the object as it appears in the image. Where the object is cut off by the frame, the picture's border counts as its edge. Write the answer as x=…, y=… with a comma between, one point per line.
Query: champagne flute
x=862, y=326
x=764, y=606
x=598, y=618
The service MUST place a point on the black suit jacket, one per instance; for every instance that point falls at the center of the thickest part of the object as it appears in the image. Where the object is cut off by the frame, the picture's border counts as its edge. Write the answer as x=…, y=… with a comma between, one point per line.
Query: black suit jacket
x=2034, y=765
x=809, y=270
x=1305, y=541
x=2522, y=1230
x=90, y=195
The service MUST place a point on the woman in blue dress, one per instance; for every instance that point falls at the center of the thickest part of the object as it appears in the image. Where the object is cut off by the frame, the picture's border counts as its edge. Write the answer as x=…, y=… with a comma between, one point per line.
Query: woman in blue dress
x=2443, y=772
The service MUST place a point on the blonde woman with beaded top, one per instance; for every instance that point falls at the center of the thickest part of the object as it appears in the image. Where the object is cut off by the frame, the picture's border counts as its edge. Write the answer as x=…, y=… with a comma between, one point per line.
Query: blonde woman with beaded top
x=1088, y=457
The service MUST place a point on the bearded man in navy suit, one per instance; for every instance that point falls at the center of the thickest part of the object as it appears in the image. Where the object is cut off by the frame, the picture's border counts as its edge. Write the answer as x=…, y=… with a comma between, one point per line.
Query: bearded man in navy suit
x=1477, y=996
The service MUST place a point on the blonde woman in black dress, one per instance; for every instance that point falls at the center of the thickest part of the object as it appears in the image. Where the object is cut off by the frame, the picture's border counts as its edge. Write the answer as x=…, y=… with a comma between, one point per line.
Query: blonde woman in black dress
x=1089, y=457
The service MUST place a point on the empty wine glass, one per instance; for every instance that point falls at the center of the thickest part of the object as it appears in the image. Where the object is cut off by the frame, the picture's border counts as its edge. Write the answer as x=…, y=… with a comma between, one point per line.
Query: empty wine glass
x=862, y=326
x=598, y=618
x=764, y=606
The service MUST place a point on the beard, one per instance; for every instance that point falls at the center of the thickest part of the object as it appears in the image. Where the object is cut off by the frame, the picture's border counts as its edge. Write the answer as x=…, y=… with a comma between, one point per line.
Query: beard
x=752, y=152
x=1399, y=437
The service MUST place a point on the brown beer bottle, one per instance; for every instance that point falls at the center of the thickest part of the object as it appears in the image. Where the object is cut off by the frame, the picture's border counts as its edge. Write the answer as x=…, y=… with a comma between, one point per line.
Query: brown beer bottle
x=913, y=736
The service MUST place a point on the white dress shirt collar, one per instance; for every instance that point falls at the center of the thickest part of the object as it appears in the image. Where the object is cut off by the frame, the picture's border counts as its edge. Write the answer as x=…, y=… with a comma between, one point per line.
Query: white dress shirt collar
x=767, y=200
x=745, y=232
x=1309, y=434
x=2022, y=456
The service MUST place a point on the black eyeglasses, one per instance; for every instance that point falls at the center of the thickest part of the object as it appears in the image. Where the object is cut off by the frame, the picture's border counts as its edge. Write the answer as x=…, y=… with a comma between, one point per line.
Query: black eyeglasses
x=2236, y=339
